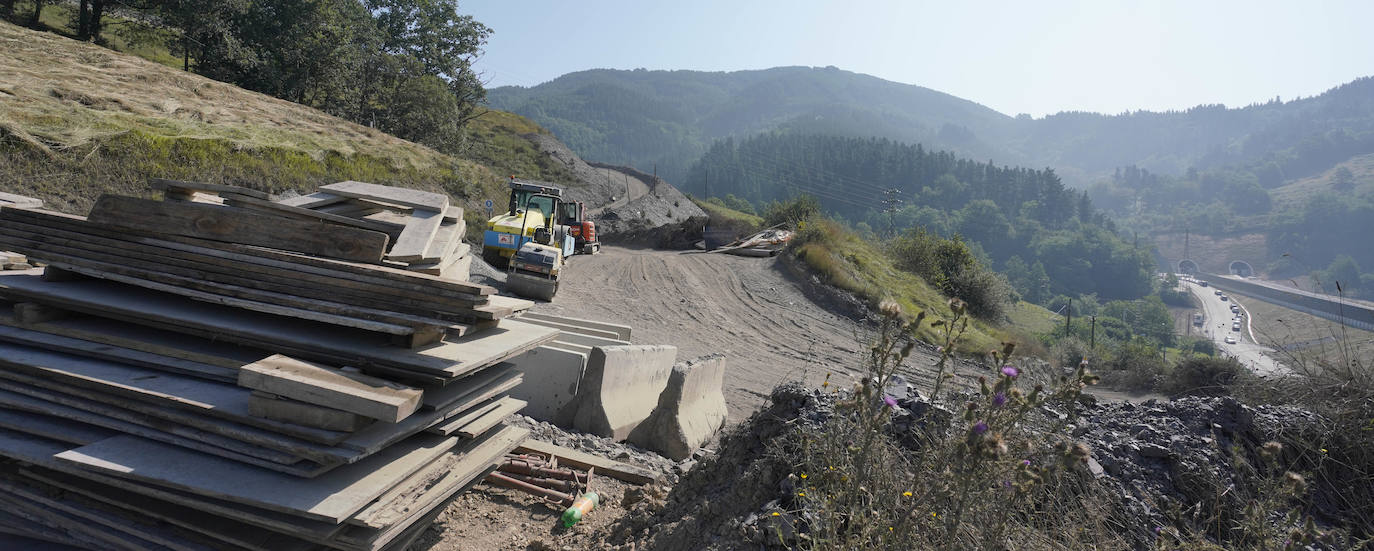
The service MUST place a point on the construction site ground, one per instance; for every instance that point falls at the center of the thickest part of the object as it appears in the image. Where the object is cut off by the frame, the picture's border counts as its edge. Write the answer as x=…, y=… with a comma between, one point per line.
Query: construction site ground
x=754, y=310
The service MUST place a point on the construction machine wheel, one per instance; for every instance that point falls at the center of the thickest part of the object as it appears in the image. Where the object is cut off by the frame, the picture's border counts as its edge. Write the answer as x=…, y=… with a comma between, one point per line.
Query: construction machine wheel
x=531, y=286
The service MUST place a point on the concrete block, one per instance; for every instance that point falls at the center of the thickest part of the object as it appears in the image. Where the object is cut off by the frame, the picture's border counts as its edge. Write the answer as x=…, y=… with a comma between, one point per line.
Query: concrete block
x=622, y=332
x=587, y=340
x=566, y=328
x=271, y=406
x=551, y=380
x=620, y=388
x=690, y=409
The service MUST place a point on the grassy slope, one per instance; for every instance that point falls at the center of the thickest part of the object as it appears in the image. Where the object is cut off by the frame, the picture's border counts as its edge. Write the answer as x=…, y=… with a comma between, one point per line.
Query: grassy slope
x=851, y=263
x=78, y=120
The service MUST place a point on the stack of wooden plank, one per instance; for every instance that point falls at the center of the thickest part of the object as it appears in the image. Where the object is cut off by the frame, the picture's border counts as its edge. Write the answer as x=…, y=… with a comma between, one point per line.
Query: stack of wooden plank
x=177, y=382
x=13, y=261
x=427, y=231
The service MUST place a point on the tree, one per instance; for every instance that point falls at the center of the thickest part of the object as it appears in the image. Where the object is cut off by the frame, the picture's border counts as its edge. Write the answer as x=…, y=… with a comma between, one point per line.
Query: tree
x=7, y=8
x=1342, y=179
x=444, y=42
x=37, y=12
x=90, y=15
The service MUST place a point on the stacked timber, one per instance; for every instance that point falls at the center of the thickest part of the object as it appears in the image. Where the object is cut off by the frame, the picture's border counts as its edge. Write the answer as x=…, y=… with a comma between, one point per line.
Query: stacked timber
x=204, y=374
x=427, y=231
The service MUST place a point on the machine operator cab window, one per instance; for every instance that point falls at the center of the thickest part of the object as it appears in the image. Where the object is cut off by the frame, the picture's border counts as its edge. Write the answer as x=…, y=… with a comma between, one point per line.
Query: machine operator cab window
x=543, y=203
x=567, y=213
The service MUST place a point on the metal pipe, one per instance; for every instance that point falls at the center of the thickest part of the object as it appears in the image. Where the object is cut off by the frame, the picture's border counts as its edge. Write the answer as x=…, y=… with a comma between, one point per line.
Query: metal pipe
x=538, y=491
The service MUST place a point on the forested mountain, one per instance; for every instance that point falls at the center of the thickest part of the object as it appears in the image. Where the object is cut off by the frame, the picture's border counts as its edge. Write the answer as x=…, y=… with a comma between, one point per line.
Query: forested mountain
x=669, y=118
x=1048, y=240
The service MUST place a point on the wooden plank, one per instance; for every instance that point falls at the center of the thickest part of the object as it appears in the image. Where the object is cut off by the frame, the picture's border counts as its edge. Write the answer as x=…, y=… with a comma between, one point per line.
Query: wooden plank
x=216, y=526
x=240, y=226
x=415, y=239
x=211, y=268
x=78, y=347
x=380, y=435
x=333, y=496
x=227, y=356
x=27, y=313
x=109, y=538
x=308, y=340
x=76, y=509
x=271, y=406
x=582, y=460
x=298, y=213
x=400, y=196
x=17, y=396
x=437, y=267
x=332, y=388
x=505, y=408
x=445, y=396
x=263, y=448
x=427, y=492
x=53, y=428
x=368, y=273
x=164, y=184
x=63, y=473
x=214, y=399
x=19, y=201
x=313, y=200
x=111, y=273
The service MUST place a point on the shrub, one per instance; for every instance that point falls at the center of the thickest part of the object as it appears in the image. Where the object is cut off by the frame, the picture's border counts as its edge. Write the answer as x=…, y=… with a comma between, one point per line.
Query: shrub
x=791, y=213
x=1202, y=375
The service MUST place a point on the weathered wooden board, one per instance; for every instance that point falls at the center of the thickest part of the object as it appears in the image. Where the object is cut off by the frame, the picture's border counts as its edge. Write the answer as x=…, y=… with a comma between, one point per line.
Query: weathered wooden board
x=131, y=383
x=244, y=254
x=240, y=226
x=426, y=491
x=229, y=271
x=19, y=201
x=332, y=388
x=308, y=340
x=314, y=200
x=221, y=527
x=400, y=196
x=271, y=406
x=66, y=510
x=53, y=428
x=480, y=419
x=417, y=236
x=278, y=209
x=379, y=435
x=582, y=460
x=334, y=496
x=164, y=184
x=17, y=396
x=67, y=345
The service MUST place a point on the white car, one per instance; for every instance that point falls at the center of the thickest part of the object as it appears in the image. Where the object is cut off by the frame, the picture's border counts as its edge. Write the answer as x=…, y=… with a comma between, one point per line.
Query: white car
x=1217, y=292
x=1230, y=339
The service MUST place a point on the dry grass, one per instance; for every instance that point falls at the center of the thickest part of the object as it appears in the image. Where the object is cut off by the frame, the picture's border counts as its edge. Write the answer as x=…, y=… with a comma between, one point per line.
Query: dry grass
x=1306, y=336
x=1297, y=192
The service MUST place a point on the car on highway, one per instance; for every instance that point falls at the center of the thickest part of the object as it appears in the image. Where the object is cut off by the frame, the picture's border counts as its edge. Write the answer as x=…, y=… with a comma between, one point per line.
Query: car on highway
x=1224, y=299
x=1217, y=292
x=1230, y=339
x=1202, y=283
x=1235, y=326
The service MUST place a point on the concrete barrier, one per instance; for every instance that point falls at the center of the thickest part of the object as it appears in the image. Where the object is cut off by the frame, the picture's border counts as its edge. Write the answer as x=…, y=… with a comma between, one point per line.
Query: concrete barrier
x=690, y=409
x=552, y=377
x=588, y=340
x=568, y=328
x=620, y=388
x=622, y=332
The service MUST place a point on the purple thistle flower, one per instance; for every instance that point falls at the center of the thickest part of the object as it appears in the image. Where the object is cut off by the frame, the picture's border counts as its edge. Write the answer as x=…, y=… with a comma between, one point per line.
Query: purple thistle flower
x=1025, y=462
x=1010, y=371
x=890, y=401
x=999, y=399
x=980, y=427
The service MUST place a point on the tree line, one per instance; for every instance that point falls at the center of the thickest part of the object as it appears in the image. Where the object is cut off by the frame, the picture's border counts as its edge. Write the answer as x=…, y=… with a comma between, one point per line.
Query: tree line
x=1046, y=239
x=401, y=66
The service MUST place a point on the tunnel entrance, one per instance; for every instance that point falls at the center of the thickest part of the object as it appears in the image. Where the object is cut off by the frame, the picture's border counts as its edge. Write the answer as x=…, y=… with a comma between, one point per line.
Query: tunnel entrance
x=1242, y=268
x=1187, y=266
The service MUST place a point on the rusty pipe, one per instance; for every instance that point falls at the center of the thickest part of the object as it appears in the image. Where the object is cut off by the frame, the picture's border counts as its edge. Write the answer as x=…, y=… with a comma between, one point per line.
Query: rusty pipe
x=538, y=491
x=530, y=470
x=552, y=484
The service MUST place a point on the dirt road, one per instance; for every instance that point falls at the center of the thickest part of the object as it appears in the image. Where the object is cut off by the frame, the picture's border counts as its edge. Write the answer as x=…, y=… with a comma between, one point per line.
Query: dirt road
x=747, y=308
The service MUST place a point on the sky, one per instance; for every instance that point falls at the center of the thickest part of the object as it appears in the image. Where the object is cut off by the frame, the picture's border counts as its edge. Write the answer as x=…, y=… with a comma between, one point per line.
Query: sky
x=1031, y=56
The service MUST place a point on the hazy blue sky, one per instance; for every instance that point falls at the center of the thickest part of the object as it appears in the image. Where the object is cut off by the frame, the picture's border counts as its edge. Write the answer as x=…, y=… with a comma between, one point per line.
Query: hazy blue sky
x=1028, y=56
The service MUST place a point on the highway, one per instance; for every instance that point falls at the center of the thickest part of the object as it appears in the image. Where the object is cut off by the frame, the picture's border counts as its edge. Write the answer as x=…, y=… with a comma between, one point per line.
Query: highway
x=1216, y=324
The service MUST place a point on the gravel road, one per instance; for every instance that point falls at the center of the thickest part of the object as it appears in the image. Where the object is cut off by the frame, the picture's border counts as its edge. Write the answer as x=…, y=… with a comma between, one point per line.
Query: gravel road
x=748, y=308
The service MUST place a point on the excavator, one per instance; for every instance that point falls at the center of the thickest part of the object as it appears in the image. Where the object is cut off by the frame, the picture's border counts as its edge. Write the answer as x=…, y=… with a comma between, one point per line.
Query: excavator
x=534, y=237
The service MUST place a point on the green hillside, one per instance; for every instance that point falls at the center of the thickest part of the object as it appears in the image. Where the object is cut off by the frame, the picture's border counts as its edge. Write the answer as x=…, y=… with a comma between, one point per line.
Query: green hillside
x=670, y=117
x=78, y=120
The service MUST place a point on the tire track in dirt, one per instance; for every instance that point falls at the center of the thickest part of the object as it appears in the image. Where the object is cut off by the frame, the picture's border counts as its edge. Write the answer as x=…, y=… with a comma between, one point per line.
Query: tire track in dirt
x=747, y=308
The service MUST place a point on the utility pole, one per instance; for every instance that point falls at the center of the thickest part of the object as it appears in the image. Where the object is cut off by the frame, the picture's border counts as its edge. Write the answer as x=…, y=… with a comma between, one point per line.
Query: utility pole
x=1092, y=339
x=890, y=202
x=1186, y=254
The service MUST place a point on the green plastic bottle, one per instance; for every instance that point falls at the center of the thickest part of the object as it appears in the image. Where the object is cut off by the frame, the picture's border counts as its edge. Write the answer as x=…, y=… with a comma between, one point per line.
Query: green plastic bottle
x=580, y=507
